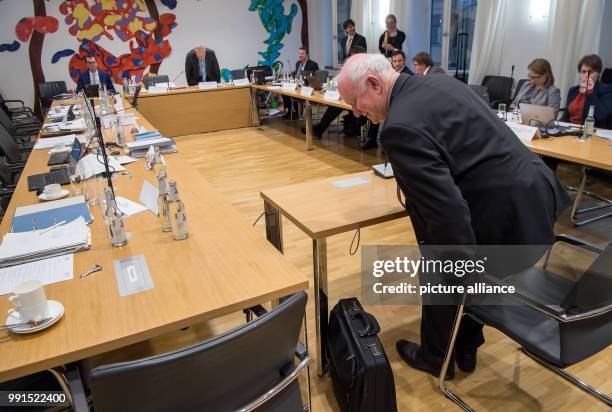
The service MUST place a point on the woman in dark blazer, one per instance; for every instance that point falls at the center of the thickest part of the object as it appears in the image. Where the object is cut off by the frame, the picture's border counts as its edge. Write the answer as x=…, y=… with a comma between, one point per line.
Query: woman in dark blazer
x=590, y=92
x=392, y=39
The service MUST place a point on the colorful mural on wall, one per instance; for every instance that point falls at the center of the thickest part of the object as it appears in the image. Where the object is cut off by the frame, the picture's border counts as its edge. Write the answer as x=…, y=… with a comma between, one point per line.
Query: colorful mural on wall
x=139, y=25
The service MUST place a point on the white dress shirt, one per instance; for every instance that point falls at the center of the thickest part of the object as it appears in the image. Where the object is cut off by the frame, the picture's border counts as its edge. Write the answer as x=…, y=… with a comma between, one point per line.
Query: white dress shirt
x=94, y=78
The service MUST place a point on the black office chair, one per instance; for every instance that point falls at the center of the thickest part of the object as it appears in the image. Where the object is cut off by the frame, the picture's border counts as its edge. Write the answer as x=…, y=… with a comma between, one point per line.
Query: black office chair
x=47, y=91
x=321, y=75
x=21, y=132
x=499, y=88
x=606, y=76
x=16, y=109
x=152, y=80
x=250, y=367
x=237, y=74
x=558, y=322
x=481, y=91
x=16, y=156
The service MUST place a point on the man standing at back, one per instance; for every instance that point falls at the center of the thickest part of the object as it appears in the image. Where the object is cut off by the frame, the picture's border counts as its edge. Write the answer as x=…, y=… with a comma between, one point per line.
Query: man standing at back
x=352, y=39
x=201, y=66
x=466, y=177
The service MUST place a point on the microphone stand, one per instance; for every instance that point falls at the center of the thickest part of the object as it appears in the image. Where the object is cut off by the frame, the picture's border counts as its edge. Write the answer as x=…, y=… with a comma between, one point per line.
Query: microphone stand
x=103, y=149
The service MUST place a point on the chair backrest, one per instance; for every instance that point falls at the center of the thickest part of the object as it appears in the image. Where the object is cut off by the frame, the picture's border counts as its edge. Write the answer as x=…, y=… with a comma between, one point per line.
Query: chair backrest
x=49, y=89
x=519, y=84
x=6, y=176
x=237, y=74
x=480, y=91
x=606, y=76
x=499, y=87
x=6, y=121
x=156, y=79
x=8, y=146
x=221, y=374
x=321, y=75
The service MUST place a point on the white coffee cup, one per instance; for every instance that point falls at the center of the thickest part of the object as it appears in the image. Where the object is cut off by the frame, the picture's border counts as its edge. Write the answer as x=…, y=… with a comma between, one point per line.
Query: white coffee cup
x=53, y=189
x=30, y=302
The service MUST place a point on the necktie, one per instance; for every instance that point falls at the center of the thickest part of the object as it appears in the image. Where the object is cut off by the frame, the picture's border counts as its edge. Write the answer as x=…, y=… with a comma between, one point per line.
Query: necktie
x=348, y=45
x=203, y=69
x=94, y=78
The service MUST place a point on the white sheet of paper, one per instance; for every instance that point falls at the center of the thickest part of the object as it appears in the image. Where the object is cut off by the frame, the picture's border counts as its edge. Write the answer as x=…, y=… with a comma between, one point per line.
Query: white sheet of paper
x=606, y=134
x=353, y=181
x=523, y=132
x=289, y=86
x=89, y=166
x=272, y=112
x=128, y=207
x=46, y=271
x=148, y=197
x=48, y=142
x=124, y=159
x=157, y=89
x=306, y=91
x=241, y=82
x=331, y=95
x=207, y=85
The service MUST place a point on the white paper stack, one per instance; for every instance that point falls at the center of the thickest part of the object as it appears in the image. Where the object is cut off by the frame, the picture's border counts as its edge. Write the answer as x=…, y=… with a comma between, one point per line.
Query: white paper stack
x=138, y=149
x=90, y=166
x=17, y=248
x=49, y=142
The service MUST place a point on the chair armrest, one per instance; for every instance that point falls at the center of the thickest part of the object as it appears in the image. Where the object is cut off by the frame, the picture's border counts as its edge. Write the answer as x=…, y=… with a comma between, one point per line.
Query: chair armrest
x=574, y=241
x=271, y=393
x=75, y=384
x=15, y=101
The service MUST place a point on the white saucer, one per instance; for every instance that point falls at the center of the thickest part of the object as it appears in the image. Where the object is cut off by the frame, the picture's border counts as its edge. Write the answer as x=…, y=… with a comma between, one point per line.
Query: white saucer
x=56, y=311
x=61, y=194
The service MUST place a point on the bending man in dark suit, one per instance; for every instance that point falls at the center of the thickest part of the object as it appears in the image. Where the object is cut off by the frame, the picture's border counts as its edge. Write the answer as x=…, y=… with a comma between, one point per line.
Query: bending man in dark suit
x=466, y=177
x=304, y=66
x=352, y=39
x=94, y=76
x=201, y=66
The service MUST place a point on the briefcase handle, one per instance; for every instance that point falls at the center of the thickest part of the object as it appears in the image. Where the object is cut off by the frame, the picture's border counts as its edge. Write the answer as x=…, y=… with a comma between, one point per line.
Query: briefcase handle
x=371, y=326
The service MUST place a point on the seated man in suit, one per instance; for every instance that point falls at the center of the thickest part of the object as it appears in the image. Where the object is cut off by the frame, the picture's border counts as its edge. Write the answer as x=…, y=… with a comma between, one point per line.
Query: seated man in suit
x=352, y=39
x=398, y=61
x=94, y=76
x=423, y=64
x=201, y=66
x=303, y=67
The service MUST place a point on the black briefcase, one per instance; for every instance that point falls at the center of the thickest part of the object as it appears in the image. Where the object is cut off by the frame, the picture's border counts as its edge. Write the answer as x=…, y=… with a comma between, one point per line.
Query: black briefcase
x=361, y=375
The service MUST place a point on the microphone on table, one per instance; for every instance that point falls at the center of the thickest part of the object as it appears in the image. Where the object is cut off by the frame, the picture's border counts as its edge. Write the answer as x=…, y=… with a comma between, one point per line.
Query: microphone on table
x=177, y=76
x=289, y=63
x=512, y=72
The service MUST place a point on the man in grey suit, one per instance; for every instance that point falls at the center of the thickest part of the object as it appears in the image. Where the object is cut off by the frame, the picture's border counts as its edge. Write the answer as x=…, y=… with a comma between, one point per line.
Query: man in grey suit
x=466, y=177
x=201, y=66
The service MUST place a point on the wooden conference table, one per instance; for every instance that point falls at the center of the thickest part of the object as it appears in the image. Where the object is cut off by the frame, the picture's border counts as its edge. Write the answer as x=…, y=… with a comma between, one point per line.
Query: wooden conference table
x=316, y=97
x=351, y=202
x=595, y=152
x=192, y=110
x=223, y=267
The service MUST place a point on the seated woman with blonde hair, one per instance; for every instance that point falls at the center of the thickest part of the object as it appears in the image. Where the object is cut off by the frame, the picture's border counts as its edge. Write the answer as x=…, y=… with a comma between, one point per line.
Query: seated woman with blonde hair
x=540, y=89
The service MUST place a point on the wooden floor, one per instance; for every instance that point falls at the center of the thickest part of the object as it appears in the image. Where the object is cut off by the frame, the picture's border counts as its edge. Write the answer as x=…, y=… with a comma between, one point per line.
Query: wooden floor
x=240, y=163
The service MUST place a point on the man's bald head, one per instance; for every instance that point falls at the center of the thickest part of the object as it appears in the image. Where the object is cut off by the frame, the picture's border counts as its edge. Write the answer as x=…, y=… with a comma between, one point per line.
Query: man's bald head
x=365, y=83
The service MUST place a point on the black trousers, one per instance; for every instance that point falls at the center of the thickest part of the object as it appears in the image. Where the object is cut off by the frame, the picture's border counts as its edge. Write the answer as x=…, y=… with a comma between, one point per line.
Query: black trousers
x=351, y=123
x=288, y=106
x=436, y=326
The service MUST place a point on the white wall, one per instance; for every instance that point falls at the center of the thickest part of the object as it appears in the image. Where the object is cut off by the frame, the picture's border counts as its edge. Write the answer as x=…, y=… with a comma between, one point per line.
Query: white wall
x=524, y=39
x=226, y=26
x=320, y=31
x=417, y=17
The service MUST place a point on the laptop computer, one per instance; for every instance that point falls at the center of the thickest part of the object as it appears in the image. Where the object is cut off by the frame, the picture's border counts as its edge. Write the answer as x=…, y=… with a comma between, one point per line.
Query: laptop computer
x=314, y=82
x=39, y=181
x=92, y=90
x=534, y=115
x=64, y=157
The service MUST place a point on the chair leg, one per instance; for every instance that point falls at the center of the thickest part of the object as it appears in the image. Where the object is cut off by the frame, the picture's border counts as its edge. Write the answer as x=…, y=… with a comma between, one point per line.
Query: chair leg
x=571, y=378
x=449, y=354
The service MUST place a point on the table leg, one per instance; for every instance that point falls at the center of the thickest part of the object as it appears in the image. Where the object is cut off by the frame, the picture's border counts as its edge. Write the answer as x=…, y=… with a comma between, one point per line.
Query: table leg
x=579, y=193
x=274, y=226
x=254, y=110
x=308, y=119
x=319, y=255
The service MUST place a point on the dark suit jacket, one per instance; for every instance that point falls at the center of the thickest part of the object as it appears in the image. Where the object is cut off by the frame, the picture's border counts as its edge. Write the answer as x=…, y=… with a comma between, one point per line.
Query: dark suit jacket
x=407, y=71
x=192, y=68
x=309, y=66
x=358, y=40
x=466, y=177
x=105, y=78
x=601, y=98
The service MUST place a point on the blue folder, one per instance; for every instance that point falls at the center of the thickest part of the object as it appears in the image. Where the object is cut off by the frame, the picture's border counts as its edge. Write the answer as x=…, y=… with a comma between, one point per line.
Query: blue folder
x=44, y=219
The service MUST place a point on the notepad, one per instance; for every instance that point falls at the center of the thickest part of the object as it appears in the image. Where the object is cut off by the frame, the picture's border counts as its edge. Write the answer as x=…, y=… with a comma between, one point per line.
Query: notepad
x=90, y=166
x=353, y=181
x=42, y=215
x=46, y=271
